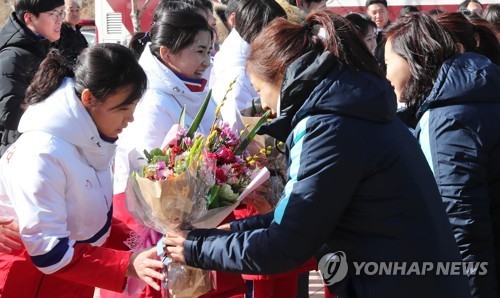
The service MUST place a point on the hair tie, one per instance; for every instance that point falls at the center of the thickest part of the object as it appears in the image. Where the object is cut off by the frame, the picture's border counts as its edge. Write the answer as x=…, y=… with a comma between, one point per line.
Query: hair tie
x=145, y=39
x=307, y=26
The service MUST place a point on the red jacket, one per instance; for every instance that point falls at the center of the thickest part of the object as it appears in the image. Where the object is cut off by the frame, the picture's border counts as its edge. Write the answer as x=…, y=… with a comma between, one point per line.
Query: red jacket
x=102, y=267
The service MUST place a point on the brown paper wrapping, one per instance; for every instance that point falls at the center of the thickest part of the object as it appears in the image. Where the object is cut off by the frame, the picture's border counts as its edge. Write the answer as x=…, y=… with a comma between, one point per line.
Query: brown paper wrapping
x=170, y=201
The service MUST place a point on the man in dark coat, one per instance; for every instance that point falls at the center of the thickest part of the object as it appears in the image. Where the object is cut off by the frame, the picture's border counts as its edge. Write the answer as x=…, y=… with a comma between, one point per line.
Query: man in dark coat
x=378, y=11
x=24, y=42
x=72, y=41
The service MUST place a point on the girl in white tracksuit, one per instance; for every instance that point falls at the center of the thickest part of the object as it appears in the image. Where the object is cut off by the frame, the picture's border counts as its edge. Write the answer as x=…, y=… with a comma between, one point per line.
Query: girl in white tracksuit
x=56, y=179
x=174, y=81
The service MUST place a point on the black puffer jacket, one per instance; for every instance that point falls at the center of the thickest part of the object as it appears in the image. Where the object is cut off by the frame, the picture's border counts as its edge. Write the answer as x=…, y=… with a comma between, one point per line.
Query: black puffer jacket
x=71, y=43
x=21, y=52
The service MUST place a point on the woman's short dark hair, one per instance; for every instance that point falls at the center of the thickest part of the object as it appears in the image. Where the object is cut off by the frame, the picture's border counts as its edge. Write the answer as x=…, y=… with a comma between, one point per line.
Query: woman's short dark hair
x=282, y=42
x=254, y=15
x=103, y=69
x=169, y=5
x=425, y=45
x=460, y=27
x=475, y=34
x=362, y=22
x=177, y=30
x=407, y=10
x=370, y=2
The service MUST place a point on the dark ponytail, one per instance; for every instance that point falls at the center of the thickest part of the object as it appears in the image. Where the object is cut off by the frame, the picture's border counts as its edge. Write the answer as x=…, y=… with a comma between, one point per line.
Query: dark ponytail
x=103, y=69
x=138, y=43
x=51, y=72
x=140, y=39
x=282, y=42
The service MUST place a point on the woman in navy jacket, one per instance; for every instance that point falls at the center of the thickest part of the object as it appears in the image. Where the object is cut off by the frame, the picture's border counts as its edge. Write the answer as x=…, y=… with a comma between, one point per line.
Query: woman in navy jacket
x=456, y=99
x=358, y=182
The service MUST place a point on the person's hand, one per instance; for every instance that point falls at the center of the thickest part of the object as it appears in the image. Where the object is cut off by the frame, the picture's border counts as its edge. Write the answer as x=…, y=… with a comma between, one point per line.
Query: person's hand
x=175, y=245
x=143, y=265
x=261, y=205
x=225, y=227
x=9, y=235
x=257, y=198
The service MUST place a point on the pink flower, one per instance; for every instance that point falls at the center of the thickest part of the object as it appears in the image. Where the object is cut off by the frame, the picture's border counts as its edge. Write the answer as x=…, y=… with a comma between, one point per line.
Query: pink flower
x=188, y=141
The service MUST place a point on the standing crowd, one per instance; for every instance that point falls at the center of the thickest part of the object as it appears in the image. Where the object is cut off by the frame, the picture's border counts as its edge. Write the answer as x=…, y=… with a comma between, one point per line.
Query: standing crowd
x=391, y=133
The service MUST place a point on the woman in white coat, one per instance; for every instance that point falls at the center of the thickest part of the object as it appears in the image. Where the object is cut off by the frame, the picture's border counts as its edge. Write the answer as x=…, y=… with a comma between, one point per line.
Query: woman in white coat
x=56, y=179
x=230, y=62
x=174, y=61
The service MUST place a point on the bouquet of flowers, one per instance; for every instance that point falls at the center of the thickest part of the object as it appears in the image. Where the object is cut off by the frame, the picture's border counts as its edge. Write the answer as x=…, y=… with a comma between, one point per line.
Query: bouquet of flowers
x=171, y=191
x=189, y=175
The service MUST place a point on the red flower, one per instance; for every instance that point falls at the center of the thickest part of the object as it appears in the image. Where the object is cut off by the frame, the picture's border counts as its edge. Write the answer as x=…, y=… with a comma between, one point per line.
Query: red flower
x=176, y=150
x=224, y=155
x=236, y=168
x=220, y=177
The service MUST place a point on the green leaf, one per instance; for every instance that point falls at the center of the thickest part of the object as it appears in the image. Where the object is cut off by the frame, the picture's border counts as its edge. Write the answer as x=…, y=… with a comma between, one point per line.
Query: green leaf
x=199, y=116
x=211, y=199
x=148, y=157
x=182, y=118
x=153, y=155
x=243, y=145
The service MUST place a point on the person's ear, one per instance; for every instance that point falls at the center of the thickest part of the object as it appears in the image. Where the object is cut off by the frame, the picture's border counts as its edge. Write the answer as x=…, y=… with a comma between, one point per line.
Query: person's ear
x=28, y=18
x=87, y=99
x=165, y=54
x=230, y=19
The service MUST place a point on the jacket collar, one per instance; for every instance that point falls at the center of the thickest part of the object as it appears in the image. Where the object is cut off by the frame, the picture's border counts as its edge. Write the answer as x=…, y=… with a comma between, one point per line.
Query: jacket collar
x=464, y=78
x=164, y=80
